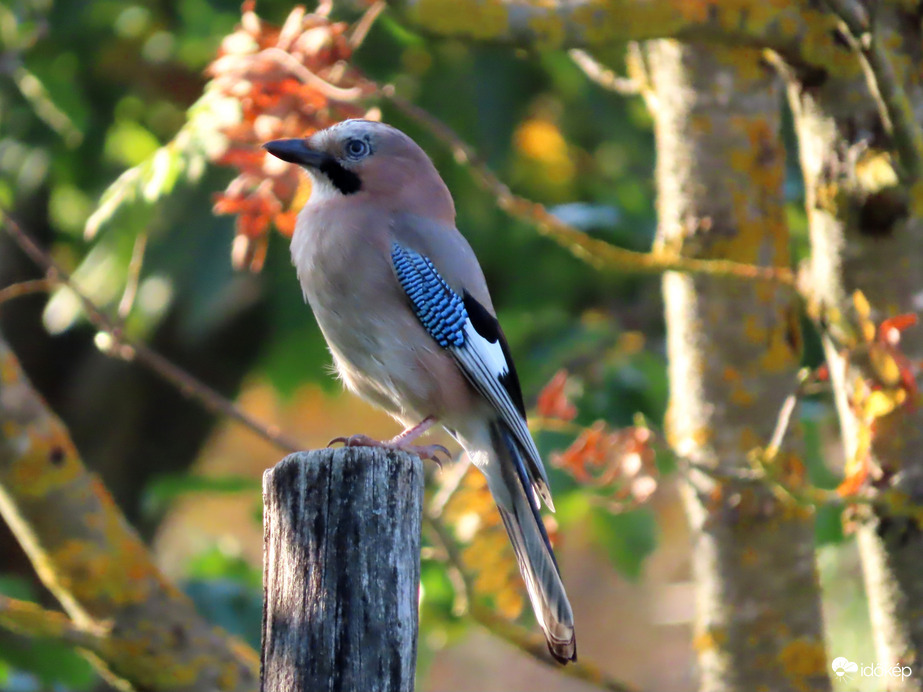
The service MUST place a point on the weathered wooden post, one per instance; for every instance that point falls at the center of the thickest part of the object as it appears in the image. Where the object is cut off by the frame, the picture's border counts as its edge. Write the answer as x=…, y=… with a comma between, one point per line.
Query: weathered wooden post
x=341, y=571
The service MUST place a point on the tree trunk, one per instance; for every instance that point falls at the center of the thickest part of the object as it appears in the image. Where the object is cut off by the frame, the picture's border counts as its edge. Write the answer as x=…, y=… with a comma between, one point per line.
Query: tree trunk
x=867, y=234
x=733, y=351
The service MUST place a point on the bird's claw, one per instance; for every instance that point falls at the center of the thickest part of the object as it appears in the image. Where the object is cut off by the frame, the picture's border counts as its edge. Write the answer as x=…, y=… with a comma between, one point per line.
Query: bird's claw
x=431, y=452
x=423, y=451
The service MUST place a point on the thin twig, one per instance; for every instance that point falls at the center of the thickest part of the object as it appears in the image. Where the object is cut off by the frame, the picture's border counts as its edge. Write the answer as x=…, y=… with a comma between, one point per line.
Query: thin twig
x=602, y=75
x=893, y=105
x=597, y=253
x=128, y=349
x=785, y=415
x=24, y=288
x=363, y=26
x=520, y=637
x=331, y=91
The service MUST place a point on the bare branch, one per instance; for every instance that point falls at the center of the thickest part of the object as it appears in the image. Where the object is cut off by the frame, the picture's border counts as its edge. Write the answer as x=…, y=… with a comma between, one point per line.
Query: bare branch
x=602, y=75
x=25, y=288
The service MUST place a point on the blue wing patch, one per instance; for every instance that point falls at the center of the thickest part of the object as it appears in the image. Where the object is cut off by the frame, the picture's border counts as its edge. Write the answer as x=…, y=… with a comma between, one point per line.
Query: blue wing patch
x=440, y=309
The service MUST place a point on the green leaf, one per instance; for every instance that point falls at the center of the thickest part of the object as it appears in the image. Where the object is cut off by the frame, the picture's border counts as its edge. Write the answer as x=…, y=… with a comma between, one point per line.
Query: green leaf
x=398, y=32
x=16, y=587
x=215, y=563
x=130, y=144
x=49, y=84
x=828, y=525
x=628, y=537
x=295, y=358
x=227, y=590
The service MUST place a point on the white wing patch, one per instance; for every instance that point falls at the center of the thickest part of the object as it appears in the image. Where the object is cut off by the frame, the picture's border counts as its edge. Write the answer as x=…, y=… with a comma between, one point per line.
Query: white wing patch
x=490, y=353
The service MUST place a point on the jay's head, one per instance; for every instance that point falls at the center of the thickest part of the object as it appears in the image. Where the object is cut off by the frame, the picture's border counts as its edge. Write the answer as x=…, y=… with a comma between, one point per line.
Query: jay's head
x=365, y=160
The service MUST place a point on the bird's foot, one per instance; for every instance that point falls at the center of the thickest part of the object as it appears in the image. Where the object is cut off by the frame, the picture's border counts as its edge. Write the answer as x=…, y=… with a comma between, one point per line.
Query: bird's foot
x=422, y=451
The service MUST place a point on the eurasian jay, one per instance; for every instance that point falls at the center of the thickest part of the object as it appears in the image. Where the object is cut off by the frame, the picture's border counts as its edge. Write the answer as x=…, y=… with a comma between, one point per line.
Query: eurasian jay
x=404, y=307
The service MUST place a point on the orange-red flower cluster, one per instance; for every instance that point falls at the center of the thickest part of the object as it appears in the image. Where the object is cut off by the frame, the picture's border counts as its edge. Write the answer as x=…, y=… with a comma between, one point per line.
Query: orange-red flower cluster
x=553, y=401
x=890, y=385
x=622, y=460
x=290, y=81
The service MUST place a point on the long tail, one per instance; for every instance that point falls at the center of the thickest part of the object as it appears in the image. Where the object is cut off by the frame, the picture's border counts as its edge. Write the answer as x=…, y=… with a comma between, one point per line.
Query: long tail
x=510, y=486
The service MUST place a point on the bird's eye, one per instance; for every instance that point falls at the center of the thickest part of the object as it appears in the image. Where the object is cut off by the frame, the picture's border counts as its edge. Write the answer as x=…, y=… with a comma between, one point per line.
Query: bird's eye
x=357, y=149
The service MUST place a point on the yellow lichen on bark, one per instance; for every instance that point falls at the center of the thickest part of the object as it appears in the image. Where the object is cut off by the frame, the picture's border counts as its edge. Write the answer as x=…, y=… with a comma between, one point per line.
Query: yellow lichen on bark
x=478, y=19
x=915, y=195
x=709, y=639
x=48, y=466
x=549, y=31
x=629, y=19
x=749, y=439
x=779, y=355
x=761, y=235
x=802, y=662
x=754, y=331
x=742, y=397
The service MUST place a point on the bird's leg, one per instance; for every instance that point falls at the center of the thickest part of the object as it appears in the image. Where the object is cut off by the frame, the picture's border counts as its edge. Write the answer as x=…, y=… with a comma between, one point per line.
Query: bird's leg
x=400, y=442
x=413, y=432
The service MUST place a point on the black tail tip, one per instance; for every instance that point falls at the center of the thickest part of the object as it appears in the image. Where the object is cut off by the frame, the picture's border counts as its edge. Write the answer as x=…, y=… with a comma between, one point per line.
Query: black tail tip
x=563, y=652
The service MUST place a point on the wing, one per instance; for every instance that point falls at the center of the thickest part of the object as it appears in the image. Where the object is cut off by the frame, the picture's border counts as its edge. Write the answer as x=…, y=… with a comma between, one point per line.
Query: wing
x=465, y=328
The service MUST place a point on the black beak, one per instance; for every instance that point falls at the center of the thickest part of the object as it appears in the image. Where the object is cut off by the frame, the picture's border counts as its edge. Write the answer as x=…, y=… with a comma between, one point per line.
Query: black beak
x=296, y=151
